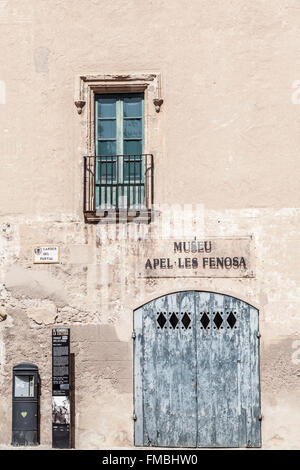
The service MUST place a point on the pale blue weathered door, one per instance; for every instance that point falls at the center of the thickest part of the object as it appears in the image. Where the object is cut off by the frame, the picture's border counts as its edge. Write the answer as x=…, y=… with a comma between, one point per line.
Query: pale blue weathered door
x=196, y=366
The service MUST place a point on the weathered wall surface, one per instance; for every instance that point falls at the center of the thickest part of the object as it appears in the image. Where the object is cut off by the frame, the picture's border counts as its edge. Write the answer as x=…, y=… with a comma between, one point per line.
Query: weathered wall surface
x=227, y=138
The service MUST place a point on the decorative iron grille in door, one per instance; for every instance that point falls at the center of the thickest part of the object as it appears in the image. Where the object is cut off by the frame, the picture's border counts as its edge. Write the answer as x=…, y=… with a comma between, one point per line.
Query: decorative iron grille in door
x=197, y=372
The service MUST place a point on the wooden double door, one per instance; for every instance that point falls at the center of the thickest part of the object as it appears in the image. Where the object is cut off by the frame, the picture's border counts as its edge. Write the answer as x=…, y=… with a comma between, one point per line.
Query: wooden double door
x=196, y=372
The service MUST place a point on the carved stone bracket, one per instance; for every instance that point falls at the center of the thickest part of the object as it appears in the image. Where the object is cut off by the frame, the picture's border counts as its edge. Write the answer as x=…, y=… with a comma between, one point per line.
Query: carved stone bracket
x=157, y=103
x=79, y=105
x=3, y=315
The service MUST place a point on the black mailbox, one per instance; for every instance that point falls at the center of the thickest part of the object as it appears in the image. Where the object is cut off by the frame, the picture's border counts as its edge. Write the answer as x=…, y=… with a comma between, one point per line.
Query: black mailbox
x=25, y=405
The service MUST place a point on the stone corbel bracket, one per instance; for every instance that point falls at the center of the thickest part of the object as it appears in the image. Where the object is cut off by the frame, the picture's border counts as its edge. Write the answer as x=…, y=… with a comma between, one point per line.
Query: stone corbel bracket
x=157, y=103
x=3, y=315
x=117, y=83
x=79, y=105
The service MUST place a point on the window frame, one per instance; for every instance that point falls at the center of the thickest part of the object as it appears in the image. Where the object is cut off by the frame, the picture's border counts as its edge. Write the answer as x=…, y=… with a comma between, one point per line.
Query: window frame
x=86, y=87
x=92, y=120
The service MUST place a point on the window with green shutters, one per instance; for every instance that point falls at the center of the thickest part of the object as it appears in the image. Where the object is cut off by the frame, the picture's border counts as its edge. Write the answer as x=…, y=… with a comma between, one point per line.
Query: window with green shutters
x=119, y=138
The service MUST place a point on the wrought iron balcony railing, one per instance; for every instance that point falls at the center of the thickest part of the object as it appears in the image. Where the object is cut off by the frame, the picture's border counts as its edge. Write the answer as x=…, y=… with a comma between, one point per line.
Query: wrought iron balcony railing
x=118, y=186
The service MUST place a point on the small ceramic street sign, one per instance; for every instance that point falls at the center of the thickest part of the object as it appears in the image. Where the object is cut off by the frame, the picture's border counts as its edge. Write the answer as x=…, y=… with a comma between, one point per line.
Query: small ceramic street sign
x=46, y=254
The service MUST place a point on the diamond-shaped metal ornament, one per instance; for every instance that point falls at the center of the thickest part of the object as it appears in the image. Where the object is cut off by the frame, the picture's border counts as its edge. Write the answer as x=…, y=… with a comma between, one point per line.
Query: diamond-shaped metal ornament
x=186, y=321
x=204, y=320
x=174, y=320
x=231, y=320
x=218, y=320
x=161, y=320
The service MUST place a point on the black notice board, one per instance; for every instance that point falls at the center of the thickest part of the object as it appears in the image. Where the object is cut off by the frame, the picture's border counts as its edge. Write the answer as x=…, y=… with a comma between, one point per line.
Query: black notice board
x=61, y=410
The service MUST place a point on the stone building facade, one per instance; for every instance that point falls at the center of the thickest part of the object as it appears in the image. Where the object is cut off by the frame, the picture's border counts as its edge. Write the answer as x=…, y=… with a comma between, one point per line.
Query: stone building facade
x=221, y=124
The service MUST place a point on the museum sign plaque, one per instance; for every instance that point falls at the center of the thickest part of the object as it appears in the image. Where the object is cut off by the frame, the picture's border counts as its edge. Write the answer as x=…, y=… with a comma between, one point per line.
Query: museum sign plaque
x=61, y=388
x=212, y=257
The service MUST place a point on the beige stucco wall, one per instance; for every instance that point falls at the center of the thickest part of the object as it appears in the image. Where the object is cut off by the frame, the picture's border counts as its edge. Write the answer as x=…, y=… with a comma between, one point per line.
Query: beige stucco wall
x=227, y=138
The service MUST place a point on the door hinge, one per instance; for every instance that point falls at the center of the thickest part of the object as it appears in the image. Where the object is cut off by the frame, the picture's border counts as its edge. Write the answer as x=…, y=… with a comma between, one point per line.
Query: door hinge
x=133, y=335
x=259, y=417
x=134, y=417
x=258, y=335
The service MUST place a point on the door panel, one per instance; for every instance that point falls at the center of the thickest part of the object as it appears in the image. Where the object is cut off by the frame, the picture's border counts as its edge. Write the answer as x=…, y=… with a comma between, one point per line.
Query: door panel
x=197, y=372
x=223, y=370
x=169, y=372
